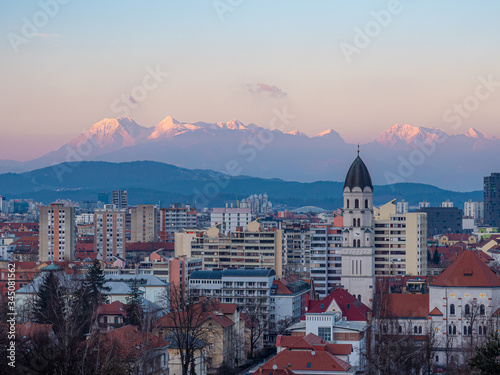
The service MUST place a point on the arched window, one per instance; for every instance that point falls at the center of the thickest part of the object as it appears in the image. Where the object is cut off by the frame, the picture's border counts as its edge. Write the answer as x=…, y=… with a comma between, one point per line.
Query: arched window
x=359, y=222
x=353, y=222
x=452, y=309
x=449, y=330
x=366, y=203
x=465, y=330
x=415, y=330
x=356, y=203
x=480, y=330
x=470, y=330
x=347, y=204
x=353, y=243
x=359, y=243
x=454, y=330
x=484, y=330
x=467, y=309
x=419, y=329
x=481, y=310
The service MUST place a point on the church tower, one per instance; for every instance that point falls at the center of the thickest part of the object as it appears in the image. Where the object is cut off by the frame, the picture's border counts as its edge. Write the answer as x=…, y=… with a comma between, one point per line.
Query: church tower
x=358, y=263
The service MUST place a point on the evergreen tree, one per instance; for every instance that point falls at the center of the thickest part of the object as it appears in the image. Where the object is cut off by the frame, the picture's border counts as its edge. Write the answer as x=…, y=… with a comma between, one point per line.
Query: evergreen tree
x=436, y=258
x=486, y=361
x=95, y=281
x=134, y=309
x=49, y=306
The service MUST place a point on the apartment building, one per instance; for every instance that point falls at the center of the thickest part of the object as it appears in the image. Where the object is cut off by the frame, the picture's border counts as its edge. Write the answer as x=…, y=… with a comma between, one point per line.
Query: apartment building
x=296, y=247
x=230, y=218
x=400, y=242
x=119, y=199
x=109, y=232
x=248, y=288
x=174, y=271
x=176, y=218
x=145, y=221
x=326, y=253
x=252, y=248
x=56, y=233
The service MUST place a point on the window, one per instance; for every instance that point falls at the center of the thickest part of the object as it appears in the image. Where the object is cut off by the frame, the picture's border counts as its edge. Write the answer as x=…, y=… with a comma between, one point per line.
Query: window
x=353, y=222
x=420, y=329
x=467, y=309
x=481, y=310
x=415, y=330
x=366, y=203
x=452, y=309
x=347, y=204
x=356, y=203
x=325, y=333
x=480, y=330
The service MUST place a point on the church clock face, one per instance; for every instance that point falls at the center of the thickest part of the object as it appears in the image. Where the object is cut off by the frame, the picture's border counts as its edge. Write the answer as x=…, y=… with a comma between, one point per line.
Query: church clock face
x=357, y=233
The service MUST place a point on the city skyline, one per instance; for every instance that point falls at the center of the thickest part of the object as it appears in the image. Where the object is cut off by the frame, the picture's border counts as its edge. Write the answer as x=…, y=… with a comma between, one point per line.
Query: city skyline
x=355, y=68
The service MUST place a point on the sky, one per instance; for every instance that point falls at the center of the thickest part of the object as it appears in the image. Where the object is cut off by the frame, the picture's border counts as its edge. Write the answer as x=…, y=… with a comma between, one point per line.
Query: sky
x=356, y=67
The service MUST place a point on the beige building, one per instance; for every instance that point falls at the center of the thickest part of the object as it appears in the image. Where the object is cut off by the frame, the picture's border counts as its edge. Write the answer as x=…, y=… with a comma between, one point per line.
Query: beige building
x=252, y=248
x=144, y=223
x=109, y=232
x=56, y=233
x=400, y=241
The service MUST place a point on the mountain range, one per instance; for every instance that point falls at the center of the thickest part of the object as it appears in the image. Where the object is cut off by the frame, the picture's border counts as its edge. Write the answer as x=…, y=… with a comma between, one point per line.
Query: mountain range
x=403, y=153
x=152, y=182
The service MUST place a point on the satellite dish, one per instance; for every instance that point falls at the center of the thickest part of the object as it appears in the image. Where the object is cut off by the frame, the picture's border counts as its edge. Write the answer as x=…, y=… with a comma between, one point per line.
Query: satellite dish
x=313, y=352
x=275, y=367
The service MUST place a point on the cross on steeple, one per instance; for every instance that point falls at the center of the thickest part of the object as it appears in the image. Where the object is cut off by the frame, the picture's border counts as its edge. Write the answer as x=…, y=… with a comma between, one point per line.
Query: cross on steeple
x=358, y=148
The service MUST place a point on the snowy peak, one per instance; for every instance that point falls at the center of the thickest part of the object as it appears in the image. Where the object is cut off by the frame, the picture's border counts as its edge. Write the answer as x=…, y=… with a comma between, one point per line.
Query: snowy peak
x=328, y=133
x=476, y=134
x=297, y=132
x=114, y=133
x=169, y=127
x=407, y=134
x=232, y=125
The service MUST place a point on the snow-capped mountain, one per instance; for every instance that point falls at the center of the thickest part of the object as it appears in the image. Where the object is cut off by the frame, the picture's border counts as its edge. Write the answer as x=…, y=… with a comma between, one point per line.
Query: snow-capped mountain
x=400, y=136
x=113, y=134
x=402, y=153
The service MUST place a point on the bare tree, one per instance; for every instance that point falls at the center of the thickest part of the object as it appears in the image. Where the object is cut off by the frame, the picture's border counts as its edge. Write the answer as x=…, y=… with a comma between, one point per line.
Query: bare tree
x=185, y=326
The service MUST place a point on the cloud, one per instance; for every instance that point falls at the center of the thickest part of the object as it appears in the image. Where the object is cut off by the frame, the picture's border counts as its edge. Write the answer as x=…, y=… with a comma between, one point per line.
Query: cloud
x=268, y=90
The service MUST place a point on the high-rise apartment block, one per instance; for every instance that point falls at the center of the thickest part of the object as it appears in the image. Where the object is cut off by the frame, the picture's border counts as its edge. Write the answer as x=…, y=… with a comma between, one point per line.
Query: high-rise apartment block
x=230, y=219
x=176, y=218
x=474, y=210
x=109, y=232
x=56, y=233
x=492, y=200
x=447, y=203
x=400, y=242
x=252, y=248
x=296, y=248
x=402, y=207
x=326, y=256
x=119, y=199
x=145, y=221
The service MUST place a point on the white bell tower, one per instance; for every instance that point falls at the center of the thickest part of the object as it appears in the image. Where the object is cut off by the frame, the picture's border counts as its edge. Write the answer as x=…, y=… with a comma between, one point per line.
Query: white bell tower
x=358, y=253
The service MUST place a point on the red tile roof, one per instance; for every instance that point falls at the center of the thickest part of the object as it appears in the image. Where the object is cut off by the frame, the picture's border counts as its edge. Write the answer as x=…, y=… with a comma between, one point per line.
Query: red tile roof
x=115, y=308
x=458, y=236
x=312, y=342
x=304, y=360
x=407, y=305
x=283, y=371
x=436, y=312
x=352, y=309
x=467, y=270
x=132, y=341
